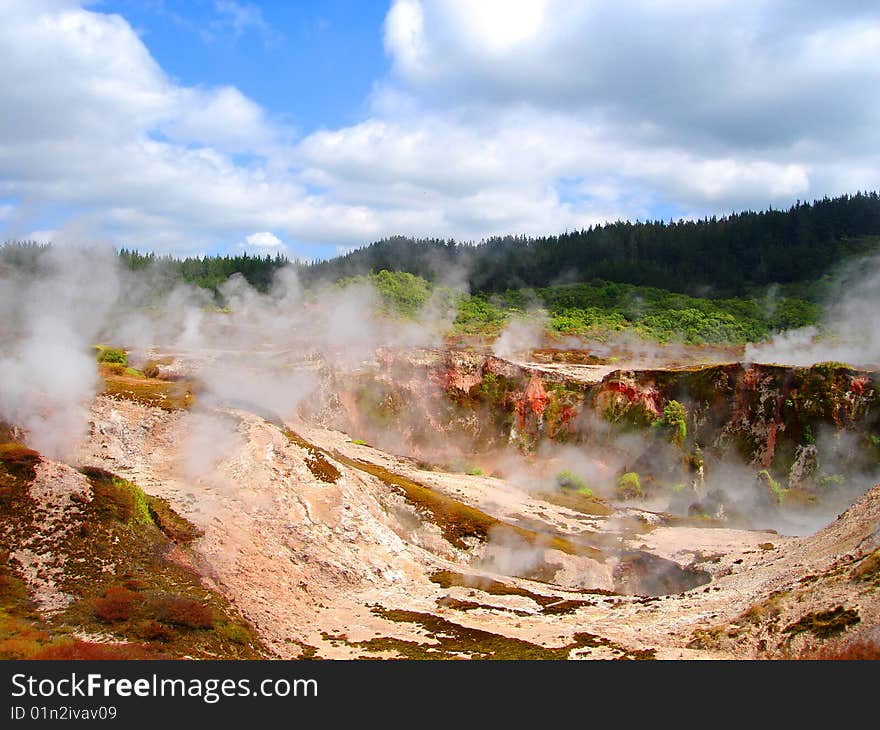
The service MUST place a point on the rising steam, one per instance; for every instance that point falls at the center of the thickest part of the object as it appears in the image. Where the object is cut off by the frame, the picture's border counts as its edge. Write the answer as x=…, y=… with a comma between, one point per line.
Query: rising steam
x=849, y=331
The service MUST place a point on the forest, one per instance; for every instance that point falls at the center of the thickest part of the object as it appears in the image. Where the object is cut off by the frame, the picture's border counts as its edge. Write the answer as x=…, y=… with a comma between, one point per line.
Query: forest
x=733, y=279
x=719, y=257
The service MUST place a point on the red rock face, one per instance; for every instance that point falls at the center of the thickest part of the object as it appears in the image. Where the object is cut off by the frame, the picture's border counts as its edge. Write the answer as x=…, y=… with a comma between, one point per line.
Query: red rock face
x=770, y=449
x=626, y=391
x=567, y=415
x=456, y=377
x=448, y=397
x=530, y=406
x=535, y=397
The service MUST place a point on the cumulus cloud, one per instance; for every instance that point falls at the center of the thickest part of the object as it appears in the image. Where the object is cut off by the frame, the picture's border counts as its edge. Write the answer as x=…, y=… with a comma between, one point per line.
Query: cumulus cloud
x=720, y=72
x=263, y=239
x=495, y=117
x=96, y=127
x=709, y=106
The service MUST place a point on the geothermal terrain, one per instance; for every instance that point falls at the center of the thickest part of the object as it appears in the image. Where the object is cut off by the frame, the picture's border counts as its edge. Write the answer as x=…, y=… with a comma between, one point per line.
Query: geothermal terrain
x=443, y=502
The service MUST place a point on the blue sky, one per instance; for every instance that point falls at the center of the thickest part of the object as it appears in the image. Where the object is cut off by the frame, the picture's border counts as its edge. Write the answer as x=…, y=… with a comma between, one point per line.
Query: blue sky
x=311, y=63
x=313, y=127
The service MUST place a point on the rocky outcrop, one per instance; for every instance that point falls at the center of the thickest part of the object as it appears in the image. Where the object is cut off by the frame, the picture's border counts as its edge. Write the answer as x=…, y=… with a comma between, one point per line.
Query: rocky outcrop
x=802, y=425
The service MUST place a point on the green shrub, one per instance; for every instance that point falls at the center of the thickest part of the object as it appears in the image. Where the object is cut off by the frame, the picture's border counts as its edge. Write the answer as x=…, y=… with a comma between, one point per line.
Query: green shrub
x=400, y=293
x=808, y=435
x=122, y=499
x=111, y=355
x=570, y=480
x=629, y=486
x=765, y=477
x=675, y=420
x=477, y=315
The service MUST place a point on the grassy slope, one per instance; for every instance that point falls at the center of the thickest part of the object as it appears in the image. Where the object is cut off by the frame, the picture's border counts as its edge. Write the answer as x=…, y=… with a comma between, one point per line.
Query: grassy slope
x=599, y=308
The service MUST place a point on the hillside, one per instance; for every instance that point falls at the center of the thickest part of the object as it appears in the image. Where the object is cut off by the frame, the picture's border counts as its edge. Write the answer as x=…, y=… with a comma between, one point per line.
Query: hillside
x=734, y=255
x=725, y=256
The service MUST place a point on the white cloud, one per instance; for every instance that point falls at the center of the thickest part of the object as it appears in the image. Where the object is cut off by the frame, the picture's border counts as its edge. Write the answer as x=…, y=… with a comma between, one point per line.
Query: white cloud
x=496, y=117
x=264, y=239
x=97, y=126
x=44, y=236
x=696, y=67
x=239, y=18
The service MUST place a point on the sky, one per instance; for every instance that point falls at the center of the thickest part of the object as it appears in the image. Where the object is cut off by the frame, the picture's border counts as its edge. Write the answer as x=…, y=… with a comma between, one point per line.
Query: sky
x=220, y=126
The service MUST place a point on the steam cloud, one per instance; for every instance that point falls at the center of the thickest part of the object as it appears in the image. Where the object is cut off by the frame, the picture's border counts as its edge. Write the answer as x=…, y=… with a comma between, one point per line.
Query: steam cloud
x=520, y=336
x=272, y=352
x=258, y=350
x=849, y=331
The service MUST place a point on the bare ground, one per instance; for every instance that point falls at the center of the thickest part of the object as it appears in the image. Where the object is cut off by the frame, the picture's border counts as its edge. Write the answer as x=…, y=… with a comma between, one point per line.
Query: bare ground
x=343, y=567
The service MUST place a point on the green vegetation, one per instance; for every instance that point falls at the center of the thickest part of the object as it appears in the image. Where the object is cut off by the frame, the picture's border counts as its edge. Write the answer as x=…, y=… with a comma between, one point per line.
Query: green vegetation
x=111, y=355
x=401, y=294
x=824, y=624
x=122, y=500
x=830, y=481
x=739, y=255
x=734, y=255
x=580, y=500
x=629, y=486
x=208, y=272
x=570, y=480
x=808, y=435
x=477, y=315
x=135, y=386
x=595, y=309
x=766, y=478
x=620, y=267
x=675, y=421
